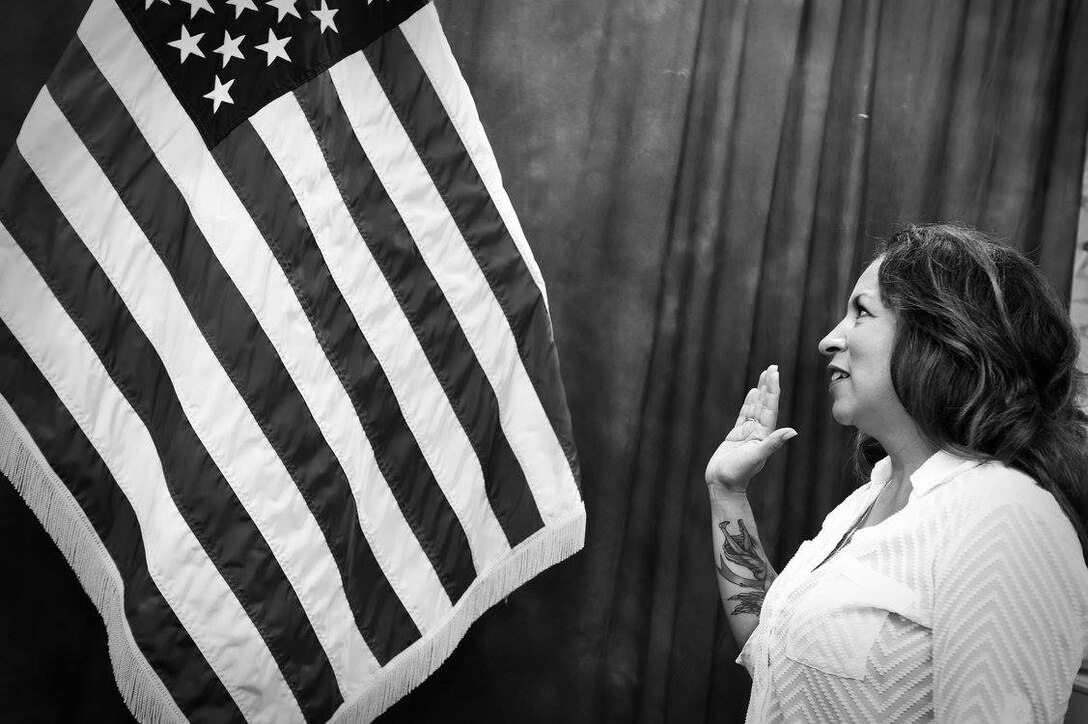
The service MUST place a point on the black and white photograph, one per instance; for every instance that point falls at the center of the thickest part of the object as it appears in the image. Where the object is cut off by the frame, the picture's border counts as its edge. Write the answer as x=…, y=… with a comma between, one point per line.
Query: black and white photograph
x=482, y=361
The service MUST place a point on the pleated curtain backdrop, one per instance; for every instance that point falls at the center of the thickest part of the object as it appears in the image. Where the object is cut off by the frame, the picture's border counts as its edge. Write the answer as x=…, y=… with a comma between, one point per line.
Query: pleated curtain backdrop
x=1078, y=301
x=701, y=183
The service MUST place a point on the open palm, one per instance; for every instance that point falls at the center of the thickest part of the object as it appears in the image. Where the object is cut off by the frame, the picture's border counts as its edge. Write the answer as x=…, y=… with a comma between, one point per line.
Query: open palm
x=753, y=438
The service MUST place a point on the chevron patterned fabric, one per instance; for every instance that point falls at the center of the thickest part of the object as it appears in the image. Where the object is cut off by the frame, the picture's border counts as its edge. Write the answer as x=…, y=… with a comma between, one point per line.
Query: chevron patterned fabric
x=969, y=605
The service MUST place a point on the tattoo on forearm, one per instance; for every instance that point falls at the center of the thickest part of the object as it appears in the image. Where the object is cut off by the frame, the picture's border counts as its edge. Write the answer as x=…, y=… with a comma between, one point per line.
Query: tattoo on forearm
x=749, y=602
x=742, y=550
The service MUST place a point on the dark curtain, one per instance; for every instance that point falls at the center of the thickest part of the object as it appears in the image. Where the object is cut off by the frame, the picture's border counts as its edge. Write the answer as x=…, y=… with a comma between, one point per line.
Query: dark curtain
x=701, y=183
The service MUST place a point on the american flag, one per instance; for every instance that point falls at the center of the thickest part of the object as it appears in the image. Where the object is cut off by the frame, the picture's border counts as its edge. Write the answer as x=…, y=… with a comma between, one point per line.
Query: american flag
x=277, y=372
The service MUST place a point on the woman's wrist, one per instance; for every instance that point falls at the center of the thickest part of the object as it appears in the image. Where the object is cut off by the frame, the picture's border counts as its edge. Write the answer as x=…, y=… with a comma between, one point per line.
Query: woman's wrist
x=733, y=494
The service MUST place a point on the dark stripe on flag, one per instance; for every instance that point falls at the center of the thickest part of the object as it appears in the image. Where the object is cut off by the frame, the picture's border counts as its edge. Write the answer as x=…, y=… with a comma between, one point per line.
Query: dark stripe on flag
x=266, y=192
x=156, y=630
x=432, y=132
x=233, y=333
x=437, y=329
x=260, y=184
x=203, y=497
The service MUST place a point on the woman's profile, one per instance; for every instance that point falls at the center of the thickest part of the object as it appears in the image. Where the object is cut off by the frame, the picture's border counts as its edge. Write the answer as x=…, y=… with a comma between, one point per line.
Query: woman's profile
x=952, y=585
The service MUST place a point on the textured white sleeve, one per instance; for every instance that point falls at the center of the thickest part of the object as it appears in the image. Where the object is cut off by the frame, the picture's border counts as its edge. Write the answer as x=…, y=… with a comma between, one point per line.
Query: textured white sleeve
x=1009, y=617
x=745, y=657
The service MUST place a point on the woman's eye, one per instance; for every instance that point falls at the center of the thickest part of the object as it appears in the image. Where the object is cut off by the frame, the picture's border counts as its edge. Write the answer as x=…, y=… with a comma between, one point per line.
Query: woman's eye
x=863, y=312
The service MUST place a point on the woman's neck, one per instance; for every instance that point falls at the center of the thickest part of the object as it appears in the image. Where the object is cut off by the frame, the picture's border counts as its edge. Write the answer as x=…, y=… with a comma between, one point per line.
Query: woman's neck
x=907, y=454
x=908, y=450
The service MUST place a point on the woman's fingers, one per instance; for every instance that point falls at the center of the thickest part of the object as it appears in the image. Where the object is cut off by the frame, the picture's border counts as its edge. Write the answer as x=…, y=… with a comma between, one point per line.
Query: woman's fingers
x=761, y=403
x=768, y=413
x=749, y=409
x=753, y=438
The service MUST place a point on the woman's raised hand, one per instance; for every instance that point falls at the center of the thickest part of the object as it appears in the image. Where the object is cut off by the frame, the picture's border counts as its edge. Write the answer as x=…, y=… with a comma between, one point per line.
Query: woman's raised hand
x=753, y=438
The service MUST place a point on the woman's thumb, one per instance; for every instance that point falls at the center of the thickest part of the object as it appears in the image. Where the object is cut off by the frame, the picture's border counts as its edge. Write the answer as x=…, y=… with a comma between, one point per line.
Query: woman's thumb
x=777, y=439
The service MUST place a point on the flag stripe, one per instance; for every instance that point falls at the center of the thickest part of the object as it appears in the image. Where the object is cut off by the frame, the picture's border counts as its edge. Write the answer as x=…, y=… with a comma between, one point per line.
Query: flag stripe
x=433, y=321
x=241, y=347
x=155, y=627
x=403, y=398
x=178, y=563
x=211, y=509
x=460, y=278
x=260, y=183
x=440, y=148
x=423, y=31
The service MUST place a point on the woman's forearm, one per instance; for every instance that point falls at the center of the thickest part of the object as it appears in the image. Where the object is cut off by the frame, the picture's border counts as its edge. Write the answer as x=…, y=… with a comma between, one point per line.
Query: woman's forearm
x=744, y=573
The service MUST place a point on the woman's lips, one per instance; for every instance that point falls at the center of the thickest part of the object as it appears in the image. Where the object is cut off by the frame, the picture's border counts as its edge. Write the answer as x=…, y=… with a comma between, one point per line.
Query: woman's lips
x=837, y=376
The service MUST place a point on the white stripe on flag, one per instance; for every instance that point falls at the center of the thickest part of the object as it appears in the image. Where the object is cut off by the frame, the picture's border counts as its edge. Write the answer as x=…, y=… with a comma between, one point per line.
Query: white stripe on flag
x=449, y=258
x=424, y=34
x=210, y=401
x=283, y=127
x=176, y=562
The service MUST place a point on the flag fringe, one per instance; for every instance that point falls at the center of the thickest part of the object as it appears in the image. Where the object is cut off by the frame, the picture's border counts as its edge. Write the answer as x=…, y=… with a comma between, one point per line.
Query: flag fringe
x=543, y=549
x=144, y=692
x=52, y=503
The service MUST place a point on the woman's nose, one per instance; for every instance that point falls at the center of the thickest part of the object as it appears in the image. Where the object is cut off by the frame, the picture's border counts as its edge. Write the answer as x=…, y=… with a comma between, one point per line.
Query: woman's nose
x=835, y=341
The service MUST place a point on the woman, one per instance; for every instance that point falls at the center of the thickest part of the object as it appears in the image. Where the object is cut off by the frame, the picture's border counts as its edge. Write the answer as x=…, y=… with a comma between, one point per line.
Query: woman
x=953, y=584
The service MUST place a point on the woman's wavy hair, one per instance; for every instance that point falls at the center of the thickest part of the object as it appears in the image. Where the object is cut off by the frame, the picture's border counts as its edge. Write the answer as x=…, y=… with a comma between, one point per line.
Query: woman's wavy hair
x=984, y=359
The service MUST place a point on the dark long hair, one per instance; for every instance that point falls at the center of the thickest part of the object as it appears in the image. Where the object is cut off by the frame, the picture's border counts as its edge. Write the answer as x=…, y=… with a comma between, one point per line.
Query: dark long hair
x=984, y=359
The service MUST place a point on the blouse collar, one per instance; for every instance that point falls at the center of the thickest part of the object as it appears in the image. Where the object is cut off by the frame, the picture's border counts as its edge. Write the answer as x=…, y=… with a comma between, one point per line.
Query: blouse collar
x=940, y=468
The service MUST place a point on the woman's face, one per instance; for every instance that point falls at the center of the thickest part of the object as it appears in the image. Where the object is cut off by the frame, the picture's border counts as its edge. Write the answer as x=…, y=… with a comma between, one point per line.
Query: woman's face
x=860, y=352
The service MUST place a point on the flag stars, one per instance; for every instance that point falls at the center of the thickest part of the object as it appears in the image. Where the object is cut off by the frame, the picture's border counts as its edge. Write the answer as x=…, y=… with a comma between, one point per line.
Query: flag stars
x=197, y=5
x=220, y=94
x=187, y=44
x=230, y=48
x=149, y=3
x=275, y=47
x=325, y=16
x=285, y=8
x=240, y=5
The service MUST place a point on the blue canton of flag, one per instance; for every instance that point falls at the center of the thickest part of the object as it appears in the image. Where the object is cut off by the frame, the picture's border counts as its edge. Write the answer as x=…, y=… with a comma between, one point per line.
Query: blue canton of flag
x=277, y=372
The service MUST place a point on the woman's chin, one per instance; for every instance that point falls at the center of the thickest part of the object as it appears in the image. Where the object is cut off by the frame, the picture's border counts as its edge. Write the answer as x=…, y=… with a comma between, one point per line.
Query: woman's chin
x=841, y=413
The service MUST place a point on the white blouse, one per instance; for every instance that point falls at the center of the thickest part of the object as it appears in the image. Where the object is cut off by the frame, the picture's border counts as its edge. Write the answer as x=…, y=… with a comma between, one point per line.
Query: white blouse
x=968, y=605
